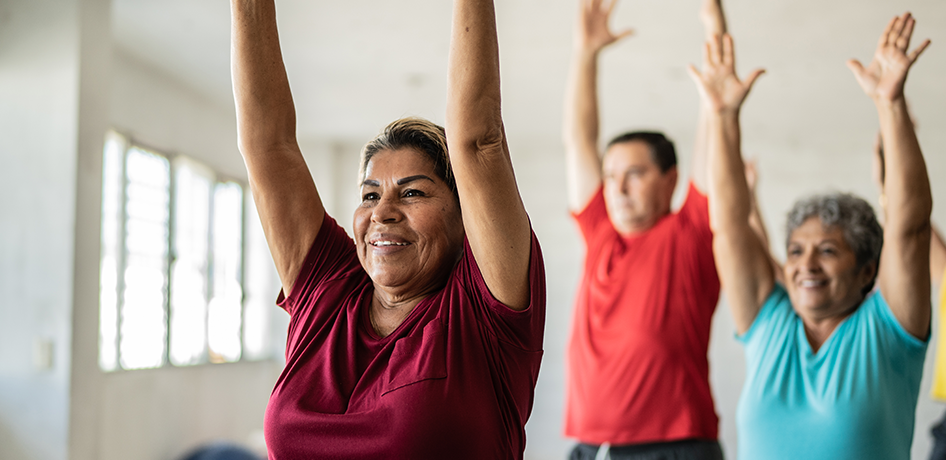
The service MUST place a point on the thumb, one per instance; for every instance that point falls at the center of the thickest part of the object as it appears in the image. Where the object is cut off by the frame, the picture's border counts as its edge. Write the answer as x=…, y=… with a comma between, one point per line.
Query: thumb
x=858, y=69
x=750, y=80
x=855, y=67
x=624, y=33
x=695, y=75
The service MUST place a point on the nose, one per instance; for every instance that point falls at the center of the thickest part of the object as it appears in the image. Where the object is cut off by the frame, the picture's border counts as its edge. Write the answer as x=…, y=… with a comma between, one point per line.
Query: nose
x=625, y=185
x=809, y=262
x=386, y=211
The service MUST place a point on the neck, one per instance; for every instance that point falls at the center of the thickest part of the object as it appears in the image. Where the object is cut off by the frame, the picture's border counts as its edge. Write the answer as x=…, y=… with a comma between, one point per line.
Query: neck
x=818, y=330
x=388, y=311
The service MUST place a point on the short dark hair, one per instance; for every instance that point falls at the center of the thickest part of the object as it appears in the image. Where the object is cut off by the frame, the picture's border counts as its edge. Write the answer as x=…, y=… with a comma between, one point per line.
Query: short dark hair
x=854, y=216
x=422, y=135
x=662, y=151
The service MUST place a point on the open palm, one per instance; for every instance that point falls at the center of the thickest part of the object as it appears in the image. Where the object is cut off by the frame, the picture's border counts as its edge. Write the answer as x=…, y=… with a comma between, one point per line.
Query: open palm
x=594, y=32
x=885, y=76
x=718, y=84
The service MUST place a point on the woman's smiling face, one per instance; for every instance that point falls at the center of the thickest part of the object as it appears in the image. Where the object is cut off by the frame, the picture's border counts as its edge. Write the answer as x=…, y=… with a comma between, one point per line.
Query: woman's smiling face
x=821, y=272
x=408, y=228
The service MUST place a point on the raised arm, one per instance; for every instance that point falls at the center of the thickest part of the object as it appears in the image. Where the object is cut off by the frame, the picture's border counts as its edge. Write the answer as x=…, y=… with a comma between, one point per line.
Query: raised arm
x=937, y=245
x=494, y=217
x=904, y=276
x=742, y=261
x=714, y=25
x=288, y=203
x=756, y=222
x=580, y=130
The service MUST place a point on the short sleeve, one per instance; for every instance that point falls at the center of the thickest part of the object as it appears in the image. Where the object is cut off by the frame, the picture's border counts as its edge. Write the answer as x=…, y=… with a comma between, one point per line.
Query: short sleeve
x=771, y=326
x=331, y=256
x=895, y=336
x=695, y=208
x=593, y=216
x=523, y=329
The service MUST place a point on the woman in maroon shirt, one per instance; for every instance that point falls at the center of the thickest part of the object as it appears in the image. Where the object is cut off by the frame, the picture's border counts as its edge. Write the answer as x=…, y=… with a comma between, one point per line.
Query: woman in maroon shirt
x=422, y=337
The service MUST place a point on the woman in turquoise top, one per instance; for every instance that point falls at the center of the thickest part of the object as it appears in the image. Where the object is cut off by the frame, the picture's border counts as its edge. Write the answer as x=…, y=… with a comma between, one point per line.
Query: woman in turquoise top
x=833, y=366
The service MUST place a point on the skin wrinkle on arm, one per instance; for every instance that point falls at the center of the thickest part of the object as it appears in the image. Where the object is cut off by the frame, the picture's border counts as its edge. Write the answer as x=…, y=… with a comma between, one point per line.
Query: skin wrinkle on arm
x=494, y=216
x=904, y=276
x=580, y=130
x=288, y=203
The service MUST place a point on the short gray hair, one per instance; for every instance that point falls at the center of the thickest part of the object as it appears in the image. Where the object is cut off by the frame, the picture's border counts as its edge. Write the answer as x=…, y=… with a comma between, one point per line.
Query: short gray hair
x=853, y=215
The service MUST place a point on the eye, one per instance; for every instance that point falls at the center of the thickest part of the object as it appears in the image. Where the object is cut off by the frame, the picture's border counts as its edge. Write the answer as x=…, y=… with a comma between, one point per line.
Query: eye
x=794, y=252
x=372, y=196
x=413, y=193
x=829, y=250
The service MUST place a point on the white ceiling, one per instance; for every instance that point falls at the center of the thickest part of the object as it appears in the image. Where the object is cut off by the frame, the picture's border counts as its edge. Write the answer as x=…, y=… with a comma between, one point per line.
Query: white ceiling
x=355, y=65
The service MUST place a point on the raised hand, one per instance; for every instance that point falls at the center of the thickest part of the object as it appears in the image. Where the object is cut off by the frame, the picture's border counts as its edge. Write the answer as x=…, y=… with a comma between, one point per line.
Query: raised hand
x=719, y=87
x=884, y=77
x=593, y=33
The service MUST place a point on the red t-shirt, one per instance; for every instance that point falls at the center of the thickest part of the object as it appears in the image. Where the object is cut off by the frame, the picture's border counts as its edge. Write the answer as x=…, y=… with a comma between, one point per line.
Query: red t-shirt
x=638, y=371
x=455, y=380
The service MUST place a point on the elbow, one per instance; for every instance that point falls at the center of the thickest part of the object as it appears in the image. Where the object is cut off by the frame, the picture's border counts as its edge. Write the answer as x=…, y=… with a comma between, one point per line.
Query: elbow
x=483, y=135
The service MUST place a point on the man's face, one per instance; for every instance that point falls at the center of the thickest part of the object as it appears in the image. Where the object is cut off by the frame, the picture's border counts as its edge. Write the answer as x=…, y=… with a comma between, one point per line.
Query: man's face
x=636, y=192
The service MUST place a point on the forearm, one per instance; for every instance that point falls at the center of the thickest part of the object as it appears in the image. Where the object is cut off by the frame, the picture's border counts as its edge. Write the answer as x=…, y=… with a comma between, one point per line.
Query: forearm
x=581, y=122
x=728, y=191
x=580, y=128
x=266, y=117
x=699, y=169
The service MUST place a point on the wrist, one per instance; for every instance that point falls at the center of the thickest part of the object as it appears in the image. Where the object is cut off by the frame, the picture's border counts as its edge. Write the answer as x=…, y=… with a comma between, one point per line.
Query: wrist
x=585, y=52
x=896, y=107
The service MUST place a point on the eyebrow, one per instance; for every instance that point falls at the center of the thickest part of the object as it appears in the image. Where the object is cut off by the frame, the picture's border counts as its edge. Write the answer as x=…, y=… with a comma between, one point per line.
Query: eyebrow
x=402, y=181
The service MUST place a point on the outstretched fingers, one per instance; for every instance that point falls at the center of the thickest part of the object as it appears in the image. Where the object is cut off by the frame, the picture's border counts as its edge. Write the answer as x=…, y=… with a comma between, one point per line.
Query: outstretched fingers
x=903, y=41
x=609, y=6
x=885, y=36
x=729, y=56
x=897, y=30
x=715, y=51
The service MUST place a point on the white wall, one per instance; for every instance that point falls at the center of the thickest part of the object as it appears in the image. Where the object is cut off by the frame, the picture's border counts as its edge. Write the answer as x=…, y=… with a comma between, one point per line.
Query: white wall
x=38, y=142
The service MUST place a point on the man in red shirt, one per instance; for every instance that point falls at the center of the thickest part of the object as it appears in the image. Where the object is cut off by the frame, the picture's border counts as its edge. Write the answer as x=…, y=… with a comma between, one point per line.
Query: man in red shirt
x=638, y=376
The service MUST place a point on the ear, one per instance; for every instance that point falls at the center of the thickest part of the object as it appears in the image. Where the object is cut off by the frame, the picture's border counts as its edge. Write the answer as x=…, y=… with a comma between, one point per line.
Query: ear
x=867, y=273
x=671, y=177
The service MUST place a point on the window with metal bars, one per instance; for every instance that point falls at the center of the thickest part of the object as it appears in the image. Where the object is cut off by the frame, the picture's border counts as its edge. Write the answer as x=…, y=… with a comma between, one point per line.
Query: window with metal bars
x=172, y=278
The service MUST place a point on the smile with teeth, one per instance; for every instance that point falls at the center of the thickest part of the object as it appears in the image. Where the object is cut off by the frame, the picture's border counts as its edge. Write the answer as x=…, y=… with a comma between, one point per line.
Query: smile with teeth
x=387, y=243
x=813, y=283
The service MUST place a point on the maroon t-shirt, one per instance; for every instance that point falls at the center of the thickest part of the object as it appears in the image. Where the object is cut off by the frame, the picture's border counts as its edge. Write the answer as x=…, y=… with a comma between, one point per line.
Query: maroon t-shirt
x=455, y=380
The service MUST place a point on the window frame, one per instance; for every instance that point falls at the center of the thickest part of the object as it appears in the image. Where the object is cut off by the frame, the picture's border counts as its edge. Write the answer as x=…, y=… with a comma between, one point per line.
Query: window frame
x=126, y=143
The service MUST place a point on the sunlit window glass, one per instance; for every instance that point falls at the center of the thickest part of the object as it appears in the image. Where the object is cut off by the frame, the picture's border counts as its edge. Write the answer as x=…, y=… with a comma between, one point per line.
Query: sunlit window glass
x=111, y=249
x=172, y=264
x=258, y=281
x=189, y=269
x=224, y=319
x=143, y=322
